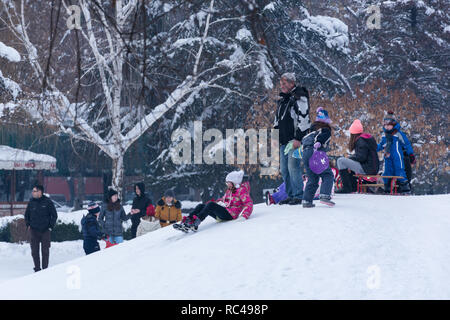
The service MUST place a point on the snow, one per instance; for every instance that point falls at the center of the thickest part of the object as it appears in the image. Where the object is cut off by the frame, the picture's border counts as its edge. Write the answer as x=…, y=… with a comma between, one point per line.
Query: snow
x=243, y=34
x=270, y=7
x=11, y=158
x=334, y=30
x=367, y=247
x=9, y=53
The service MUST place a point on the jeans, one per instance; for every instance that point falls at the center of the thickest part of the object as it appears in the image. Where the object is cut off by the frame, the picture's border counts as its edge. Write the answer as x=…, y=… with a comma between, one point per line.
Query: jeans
x=291, y=171
x=115, y=239
x=313, y=179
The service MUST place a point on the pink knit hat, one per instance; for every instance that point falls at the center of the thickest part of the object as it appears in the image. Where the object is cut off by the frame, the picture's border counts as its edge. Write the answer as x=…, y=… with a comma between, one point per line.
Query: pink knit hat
x=356, y=127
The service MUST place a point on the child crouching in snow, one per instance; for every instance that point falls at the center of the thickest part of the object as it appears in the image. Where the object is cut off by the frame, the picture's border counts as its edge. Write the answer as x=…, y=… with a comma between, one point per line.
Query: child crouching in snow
x=234, y=203
x=317, y=140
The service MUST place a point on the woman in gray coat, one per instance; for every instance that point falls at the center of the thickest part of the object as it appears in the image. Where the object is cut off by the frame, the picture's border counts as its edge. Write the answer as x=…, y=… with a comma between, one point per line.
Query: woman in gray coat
x=111, y=217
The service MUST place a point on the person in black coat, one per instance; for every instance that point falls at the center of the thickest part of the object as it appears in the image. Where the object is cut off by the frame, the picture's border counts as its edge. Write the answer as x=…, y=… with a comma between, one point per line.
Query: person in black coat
x=91, y=229
x=139, y=207
x=292, y=121
x=363, y=161
x=40, y=219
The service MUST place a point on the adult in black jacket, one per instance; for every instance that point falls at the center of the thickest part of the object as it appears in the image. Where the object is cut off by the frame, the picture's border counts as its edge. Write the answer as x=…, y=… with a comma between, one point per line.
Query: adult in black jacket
x=139, y=207
x=40, y=219
x=363, y=161
x=293, y=122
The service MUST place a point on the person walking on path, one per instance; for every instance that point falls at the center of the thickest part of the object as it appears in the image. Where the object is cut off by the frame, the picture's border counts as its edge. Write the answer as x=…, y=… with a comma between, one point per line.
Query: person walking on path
x=40, y=219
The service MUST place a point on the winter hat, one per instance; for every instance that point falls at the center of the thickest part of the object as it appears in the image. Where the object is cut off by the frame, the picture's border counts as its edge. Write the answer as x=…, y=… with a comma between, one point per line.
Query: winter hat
x=322, y=115
x=356, y=127
x=169, y=193
x=235, y=177
x=111, y=192
x=389, y=119
x=93, y=208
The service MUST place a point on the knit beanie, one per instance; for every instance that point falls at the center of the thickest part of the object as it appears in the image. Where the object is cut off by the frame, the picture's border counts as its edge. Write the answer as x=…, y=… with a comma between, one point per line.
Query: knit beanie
x=111, y=192
x=93, y=208
x=169, y=193
x=235, y=177
x=322, y=115
x=389, y=119
x=356, y=127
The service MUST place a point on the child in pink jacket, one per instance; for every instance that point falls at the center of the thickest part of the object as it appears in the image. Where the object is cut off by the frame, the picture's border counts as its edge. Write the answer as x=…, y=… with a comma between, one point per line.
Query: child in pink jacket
x=236, y=202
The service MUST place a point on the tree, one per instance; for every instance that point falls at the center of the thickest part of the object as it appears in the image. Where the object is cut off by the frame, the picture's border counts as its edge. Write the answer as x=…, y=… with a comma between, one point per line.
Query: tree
x=117, y=116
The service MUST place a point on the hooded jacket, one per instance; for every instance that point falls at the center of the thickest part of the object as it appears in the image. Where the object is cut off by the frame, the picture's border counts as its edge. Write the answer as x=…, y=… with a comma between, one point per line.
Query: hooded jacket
x=366, y=153
x=238, y=202
x=168, y=214
x=140, y=202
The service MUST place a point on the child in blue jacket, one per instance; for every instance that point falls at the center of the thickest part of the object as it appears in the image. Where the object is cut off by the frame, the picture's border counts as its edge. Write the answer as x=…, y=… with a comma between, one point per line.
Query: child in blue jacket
x=91, y=229
x=394, y=142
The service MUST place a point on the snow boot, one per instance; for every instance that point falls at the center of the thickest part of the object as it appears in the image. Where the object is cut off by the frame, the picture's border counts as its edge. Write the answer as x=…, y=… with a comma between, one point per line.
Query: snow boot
x=269, y=199
x=324, y=199
x=193, y=223
x=346, y=182
x=286, y=201
x=295, y=201
x=403, y=188
x=308, y=204
x=183, y=225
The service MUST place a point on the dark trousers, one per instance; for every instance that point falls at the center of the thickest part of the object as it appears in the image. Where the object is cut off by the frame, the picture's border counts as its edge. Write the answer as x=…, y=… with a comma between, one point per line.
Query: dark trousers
x=313, y=179
x=90, y=246
x=211, y=209
x=40, y=239
x=134, y=225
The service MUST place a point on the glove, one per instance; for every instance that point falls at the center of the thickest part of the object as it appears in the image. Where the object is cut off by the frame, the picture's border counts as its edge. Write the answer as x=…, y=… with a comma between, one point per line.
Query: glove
x=317, y=145
x=288, y=148
x=412, y=158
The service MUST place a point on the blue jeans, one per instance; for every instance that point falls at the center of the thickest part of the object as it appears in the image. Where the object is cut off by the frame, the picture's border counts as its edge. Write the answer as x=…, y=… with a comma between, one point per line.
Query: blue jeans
x=291, y=171
x=115, y=239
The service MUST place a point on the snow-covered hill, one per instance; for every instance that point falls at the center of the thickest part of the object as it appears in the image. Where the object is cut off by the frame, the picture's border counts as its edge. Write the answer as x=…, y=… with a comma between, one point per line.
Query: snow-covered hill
x=367, y=247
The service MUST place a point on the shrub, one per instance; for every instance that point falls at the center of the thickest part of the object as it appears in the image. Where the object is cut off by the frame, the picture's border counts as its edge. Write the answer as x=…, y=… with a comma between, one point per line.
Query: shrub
x=66, y=232
x=5, y=234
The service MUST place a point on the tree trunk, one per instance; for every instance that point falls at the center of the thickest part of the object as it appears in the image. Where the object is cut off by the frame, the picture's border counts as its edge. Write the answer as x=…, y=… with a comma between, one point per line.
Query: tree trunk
x=117, y=178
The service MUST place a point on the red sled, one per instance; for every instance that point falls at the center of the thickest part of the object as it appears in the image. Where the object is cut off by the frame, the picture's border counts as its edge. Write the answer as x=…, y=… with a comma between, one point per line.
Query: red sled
x=109, y=244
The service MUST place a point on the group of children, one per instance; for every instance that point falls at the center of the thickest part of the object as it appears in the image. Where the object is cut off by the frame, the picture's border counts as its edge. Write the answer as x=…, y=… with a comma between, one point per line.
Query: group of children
x=106, y=222
x=394, y=142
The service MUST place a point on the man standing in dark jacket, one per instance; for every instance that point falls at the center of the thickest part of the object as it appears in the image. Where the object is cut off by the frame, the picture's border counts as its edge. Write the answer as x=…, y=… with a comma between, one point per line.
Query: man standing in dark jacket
x=293, y=122
x=40, y=218
x=139, y=207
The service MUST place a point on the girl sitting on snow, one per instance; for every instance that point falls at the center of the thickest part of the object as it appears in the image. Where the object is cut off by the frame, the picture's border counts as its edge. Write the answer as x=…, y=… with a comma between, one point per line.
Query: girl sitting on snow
x=318, y=139
x=234, y=203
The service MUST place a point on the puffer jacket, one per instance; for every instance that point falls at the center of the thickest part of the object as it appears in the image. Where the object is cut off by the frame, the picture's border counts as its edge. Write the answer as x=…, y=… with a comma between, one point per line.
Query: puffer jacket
x=90, y=227
x=147, y=226
x=366, y=153
x=111, y=221
x=168, y=214
x=238, y=202
x=41, y=214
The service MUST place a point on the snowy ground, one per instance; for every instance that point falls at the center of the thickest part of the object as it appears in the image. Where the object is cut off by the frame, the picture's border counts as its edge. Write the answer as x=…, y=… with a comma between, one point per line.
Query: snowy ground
x=367, y=247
